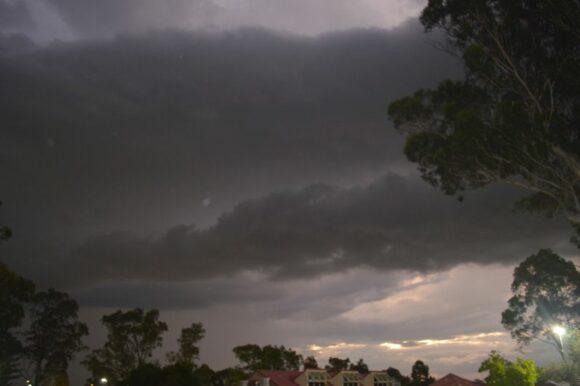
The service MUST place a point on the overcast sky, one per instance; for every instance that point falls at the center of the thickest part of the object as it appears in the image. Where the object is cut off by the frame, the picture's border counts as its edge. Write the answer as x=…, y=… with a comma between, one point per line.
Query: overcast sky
x=231, y=162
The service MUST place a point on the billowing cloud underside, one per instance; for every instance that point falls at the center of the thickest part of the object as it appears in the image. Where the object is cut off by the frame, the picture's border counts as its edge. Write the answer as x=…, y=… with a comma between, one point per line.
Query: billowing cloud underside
x=127, y=137
x=77, y=19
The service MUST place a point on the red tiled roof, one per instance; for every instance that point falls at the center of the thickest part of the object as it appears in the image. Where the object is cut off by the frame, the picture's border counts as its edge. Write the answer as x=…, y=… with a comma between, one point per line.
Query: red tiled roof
x=454, y=380
x=281, y=378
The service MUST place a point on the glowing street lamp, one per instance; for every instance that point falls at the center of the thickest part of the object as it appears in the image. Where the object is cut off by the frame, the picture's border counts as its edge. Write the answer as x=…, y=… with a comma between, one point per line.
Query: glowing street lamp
x=560, y=332
x=103, y=381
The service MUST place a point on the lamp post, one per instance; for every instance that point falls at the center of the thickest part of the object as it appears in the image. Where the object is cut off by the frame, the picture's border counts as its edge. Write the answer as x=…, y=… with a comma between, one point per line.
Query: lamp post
x=560, y=331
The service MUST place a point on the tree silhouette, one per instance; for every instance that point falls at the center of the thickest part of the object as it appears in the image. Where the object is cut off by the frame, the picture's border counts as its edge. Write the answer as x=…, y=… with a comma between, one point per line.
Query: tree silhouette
x=420, y=374
x=515, y=118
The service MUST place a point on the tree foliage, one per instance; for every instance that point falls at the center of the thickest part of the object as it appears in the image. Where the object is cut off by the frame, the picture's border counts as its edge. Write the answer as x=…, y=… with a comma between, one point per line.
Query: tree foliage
x=131, y=338
x=178, y=374
x=5, y=232
x=15, y=292
x=396, y=374
x=230, y=376
x=505, y=373
x=253, y=357
x=205, y=375
x=188, y=348
x=310, y=363
x=360, y=366
x=567, y=370
x=546, y=291
x=249, y=355
x=55, y=335
x=145, y=375
x=515, y=117
x=336, y=364
x=420, y=374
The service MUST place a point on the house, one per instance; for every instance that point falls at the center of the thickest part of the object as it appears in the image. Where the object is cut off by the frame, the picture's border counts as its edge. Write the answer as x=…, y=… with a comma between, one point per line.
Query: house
x=454, y=380
x=319, y=377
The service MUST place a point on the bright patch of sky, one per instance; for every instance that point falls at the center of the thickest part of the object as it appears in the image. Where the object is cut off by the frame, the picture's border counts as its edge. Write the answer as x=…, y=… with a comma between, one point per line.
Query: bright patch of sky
x=66, y=20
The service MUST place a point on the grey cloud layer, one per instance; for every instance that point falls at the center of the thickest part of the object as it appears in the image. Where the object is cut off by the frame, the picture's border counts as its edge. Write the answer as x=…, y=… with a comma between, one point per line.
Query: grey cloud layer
x=392, y=224
x=109, y=17
x=138, y=131
x=14, y=15
x=129, y=136
x=74, y=19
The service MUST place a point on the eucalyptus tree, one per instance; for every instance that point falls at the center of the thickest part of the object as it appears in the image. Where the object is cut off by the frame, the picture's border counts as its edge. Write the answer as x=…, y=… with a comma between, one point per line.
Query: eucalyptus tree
x=55, y=335
x=132, y=336
x=15, y=293
x=515, y=117
x=546, y=292
x=188, y=345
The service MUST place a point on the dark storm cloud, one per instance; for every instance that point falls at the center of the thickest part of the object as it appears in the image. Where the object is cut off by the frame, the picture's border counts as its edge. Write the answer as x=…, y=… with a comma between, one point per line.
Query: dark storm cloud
x=277, y=299
x=11, y=44
x=78, y=19
x=392, y=224
x=109, y=17
x=137, y=132
x=175, y=296
x=108, y=141
x=14, y=15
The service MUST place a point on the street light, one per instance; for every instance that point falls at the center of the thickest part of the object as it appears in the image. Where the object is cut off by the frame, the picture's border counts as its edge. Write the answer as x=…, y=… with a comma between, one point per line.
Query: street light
x=103, y=381
x=560, y=331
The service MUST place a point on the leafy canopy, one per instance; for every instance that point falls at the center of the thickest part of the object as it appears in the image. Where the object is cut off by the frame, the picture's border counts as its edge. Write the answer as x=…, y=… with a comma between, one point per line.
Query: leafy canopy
x=15, y=293
x=253, y=357
x=567, y=370
x=310, y=363
x=515, y=117
x=546, y=291
x=420, y=374
x=132, y=336
x=396, y=374
x=360, y=366
x=336, y=364
x=55, y=334
x=505, y=373
x=52, y=337
x=179, y=374
x=188, y=349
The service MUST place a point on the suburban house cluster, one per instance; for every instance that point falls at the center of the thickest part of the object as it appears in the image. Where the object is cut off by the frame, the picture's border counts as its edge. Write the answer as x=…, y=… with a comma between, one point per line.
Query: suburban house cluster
x=319, y=377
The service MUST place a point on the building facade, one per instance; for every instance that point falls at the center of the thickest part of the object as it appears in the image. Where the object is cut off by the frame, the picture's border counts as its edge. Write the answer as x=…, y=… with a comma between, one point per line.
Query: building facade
x=319, y=377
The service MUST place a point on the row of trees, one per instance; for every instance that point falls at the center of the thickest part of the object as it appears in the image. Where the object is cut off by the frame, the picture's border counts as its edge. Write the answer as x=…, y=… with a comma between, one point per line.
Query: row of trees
x=40, y=334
